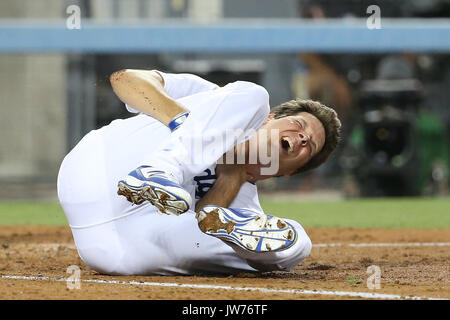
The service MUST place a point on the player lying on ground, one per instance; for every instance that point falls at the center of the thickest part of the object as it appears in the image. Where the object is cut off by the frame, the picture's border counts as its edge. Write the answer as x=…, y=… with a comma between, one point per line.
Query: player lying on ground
x=145, y=90
x=115, y=237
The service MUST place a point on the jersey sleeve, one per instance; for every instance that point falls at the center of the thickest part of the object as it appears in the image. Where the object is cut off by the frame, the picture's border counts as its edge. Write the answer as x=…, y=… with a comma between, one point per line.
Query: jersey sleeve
x=180, y=85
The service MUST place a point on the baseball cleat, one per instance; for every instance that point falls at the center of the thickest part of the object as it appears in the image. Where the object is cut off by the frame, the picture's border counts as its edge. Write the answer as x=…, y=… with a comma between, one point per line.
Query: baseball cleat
x=159, y=188
x=247, y=229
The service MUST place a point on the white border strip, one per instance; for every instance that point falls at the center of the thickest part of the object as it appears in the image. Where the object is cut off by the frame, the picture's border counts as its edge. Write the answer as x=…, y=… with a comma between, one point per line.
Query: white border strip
x=367, y=295
x=398, y=244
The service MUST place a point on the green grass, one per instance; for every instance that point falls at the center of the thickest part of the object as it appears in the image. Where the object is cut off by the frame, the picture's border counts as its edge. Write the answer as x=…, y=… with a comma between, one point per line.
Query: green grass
x=419, y=213
x=362, y=213
x=31, y=213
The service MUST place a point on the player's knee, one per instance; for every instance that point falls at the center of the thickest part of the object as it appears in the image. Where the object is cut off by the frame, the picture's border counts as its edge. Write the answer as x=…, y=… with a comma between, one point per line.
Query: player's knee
x=288, y=259
x=303, y=244
x=305, y=247
x=117, y=76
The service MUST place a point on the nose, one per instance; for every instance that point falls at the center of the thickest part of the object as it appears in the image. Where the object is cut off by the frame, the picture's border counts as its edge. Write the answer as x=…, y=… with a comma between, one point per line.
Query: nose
x=304, y=139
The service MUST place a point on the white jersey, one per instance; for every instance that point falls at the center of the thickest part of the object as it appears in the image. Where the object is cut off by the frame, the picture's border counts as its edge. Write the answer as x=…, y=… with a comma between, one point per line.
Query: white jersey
x=195, y=93
x=114, y=236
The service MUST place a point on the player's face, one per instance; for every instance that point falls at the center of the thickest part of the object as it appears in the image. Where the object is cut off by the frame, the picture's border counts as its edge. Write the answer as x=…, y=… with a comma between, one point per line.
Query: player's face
x=300, y=137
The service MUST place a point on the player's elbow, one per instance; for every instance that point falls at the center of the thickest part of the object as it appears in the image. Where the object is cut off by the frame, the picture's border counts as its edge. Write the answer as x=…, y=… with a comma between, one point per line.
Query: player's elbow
x=306, y=247
x=300, y=250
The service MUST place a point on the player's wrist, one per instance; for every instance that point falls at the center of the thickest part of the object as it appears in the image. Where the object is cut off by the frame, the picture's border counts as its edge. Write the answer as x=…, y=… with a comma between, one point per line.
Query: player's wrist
x=178, y=120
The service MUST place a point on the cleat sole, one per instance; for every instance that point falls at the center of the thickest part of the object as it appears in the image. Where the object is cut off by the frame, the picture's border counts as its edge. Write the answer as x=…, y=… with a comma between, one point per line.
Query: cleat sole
x=166, y=202
x=263, y=233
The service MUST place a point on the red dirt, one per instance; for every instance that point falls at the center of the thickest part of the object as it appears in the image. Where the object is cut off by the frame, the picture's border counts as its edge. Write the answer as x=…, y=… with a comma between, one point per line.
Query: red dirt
x=407, y=271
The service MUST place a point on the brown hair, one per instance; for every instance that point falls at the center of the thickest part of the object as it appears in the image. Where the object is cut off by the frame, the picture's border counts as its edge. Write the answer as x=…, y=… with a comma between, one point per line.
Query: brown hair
x=327, y=116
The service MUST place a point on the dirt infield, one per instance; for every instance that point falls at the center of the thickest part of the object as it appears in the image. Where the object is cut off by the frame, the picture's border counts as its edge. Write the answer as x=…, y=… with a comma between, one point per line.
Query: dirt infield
x=413, y=263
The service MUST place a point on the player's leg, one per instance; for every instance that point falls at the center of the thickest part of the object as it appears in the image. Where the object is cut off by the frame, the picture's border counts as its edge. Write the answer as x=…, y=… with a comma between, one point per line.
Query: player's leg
x=163, y=244
x=87, y=183
x=89, y=204
x=139, y=241
x=267, y=242
x=168, y=245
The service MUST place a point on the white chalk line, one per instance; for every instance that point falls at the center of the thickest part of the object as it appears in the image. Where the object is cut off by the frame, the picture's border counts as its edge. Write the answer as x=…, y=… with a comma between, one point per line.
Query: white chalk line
x=398, y=244
x=317, y=245
x=367, y=295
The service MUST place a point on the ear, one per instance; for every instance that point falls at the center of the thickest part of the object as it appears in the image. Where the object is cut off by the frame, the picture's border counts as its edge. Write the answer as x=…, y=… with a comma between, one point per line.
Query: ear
x=271, y=116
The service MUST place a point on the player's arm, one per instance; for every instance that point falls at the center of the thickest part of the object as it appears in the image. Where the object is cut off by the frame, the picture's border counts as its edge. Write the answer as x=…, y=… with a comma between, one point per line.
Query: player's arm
x=229, y=180
x=144, y=90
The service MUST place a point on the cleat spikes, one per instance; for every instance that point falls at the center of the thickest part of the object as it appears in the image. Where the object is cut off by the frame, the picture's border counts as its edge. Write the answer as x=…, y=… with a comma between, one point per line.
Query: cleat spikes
x=160, y=189
x=247, y=229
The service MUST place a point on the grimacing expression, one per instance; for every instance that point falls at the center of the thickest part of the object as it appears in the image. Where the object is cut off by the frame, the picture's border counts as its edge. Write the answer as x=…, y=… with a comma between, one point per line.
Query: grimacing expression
x=300, y=138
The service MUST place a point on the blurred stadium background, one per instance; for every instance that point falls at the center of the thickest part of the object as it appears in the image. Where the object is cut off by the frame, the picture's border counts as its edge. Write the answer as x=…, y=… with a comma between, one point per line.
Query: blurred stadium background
x=389, y=85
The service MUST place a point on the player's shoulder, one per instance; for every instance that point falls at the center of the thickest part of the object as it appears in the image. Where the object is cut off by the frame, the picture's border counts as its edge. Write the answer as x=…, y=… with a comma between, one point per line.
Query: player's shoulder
x=249, y=85
x=255, y=90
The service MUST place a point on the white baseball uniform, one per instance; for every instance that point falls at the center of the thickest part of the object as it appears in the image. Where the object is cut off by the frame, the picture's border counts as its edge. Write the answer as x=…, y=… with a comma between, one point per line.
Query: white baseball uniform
x=114, y=236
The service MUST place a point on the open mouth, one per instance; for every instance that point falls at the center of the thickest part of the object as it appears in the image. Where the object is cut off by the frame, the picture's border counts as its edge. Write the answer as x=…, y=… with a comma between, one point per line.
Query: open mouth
x=287, y=144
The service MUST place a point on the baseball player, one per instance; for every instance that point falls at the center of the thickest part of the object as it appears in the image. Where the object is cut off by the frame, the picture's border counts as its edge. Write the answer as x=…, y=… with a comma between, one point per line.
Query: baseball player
x=230, y=232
